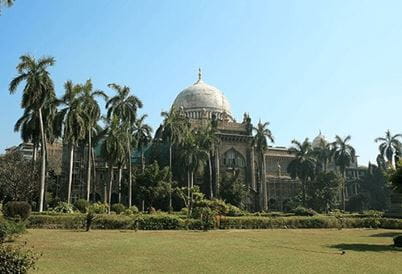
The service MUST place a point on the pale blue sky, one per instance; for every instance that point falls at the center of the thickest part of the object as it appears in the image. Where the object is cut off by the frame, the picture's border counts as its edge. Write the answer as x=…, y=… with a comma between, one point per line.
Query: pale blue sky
x=301, y=65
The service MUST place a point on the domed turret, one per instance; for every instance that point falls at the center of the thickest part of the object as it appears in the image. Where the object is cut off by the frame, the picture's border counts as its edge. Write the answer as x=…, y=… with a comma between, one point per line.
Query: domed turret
x=201, y=100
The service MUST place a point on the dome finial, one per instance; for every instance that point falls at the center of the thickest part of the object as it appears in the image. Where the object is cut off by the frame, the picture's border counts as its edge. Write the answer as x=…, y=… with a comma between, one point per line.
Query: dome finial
x=199, y=75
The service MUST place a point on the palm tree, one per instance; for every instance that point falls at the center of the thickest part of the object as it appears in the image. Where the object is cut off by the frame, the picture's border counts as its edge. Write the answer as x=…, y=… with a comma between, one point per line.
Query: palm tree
x=142, y=134
x=303, y=165
x=323, y=155
x=125, y=107
x=260, y=142
x=28, y=126
x=193, y=156
x=73, y=119
x=92, y=113
x=208, y=140
x=344, y=156
x=390, y=146
x=113, y=149
x=7, y=3
x=38, y=94
x=173, y=130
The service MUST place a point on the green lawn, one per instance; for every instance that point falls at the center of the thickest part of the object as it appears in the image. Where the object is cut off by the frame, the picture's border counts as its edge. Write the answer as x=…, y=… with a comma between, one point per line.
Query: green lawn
x=240, y=251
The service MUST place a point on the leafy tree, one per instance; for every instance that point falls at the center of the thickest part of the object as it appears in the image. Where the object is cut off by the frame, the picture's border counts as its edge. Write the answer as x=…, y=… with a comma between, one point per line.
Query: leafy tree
x=153, y=184
x=395, y=177
x=323, y=191
x=125, y=106
x=390, y=147
x=375, y=188
x=260, y=142
x=303, y=165
x=39, y=97
x=18, y=180
x=92, y=115
x=233, y=190
x=344, y=156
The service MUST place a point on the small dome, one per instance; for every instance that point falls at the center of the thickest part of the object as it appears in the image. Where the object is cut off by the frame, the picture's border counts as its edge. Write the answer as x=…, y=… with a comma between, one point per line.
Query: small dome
x=319, y=140
x=201, y=97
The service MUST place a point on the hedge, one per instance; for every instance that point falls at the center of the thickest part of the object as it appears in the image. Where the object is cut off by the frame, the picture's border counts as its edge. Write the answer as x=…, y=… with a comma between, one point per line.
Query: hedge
x=169, y=222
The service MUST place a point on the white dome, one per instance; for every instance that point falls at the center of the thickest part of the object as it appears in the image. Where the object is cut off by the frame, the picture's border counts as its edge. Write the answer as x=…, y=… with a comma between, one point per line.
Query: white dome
x=201, y=97
x=319, y=140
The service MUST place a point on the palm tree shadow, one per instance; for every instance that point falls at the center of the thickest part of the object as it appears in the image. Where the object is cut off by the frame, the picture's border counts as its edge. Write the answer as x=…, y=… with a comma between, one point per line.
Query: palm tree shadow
x=365, y=247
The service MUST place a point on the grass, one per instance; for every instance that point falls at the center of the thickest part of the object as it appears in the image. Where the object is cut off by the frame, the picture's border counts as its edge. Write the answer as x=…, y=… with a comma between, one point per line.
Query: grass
x=245, y=251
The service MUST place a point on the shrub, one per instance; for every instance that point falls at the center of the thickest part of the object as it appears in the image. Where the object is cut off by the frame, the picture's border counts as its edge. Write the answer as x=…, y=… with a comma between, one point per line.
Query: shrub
x=63, y=207
x=82, y=205
x=301, y=211
x=99, y=208
x=17, y=210
x=184, y=211
x=67, y=221
x=10, y=229
x=16, y=260
x=234, y=211
x=159, y=222
x=131, y=211
x=207, y=217
x=118, y=208
x=398, y=241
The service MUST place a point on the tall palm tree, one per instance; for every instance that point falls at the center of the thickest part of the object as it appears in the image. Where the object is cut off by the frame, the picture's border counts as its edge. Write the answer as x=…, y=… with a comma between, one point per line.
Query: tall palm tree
x=125, y=106
x=262, y=136
x=113, y=149
x=175, y=126
x=92, y=113
x=38, y=94
x=72, y=121
x=389, y=147
x=193, y=156
x=344, y=155
x=206, y=137
x=303, y=165
x=142, y=134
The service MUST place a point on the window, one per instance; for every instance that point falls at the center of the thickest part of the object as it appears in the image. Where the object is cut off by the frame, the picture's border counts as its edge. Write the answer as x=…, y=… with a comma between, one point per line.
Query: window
x=232, y=158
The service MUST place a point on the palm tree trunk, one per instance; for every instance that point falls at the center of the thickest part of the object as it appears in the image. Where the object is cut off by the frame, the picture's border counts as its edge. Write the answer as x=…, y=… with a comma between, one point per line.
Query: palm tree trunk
x=110, y=187
x=43, y=167
x=89, y=163
x=343, y=190
x=142, y=159
x=171, y=175
x=119, y=180
x=211, y=192
x=264, y=185
x=70, y=174
x=304, y=182
x=130, y=180
x=188, y=189
x=94, y=176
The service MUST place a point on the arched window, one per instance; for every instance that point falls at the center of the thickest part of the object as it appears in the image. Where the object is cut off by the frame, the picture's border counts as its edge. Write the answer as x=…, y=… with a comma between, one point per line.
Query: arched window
x=232, y=158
